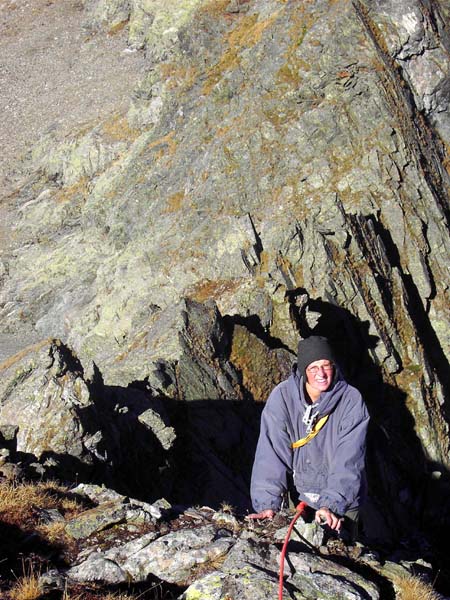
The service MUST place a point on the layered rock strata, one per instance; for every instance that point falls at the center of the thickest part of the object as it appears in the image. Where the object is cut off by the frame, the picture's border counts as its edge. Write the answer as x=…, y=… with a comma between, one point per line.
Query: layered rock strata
x=287, y=161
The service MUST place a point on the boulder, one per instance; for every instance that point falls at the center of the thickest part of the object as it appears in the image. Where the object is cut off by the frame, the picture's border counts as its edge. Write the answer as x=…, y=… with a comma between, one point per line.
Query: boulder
x=96, y=519
x=45, y=399
x=174, y=558
x=57, y=423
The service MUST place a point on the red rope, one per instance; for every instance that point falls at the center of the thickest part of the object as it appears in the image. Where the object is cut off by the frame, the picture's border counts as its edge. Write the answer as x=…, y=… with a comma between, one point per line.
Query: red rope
x=300, y=510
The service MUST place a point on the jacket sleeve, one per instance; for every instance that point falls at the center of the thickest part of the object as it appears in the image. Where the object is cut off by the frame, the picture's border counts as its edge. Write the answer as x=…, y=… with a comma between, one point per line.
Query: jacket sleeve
x=346, y=475
x=273, y=459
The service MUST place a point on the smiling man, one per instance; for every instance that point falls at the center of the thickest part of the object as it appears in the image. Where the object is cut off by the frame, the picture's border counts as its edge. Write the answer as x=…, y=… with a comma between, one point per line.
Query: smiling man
x=313, y=429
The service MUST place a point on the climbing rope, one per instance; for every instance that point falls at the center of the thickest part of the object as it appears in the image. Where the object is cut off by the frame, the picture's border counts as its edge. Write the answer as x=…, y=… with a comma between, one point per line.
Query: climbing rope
x=299, y=511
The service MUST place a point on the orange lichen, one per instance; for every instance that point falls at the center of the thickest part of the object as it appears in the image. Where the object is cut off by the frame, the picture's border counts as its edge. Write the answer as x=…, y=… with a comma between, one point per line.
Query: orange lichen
x=213, y=8
x=246, y=34
x=181, y=77
x=299, y=276
x=167, y=142
x=289, y=73
x=71, y=192
x=175, y=202
x=213, y=289
x=117, y=129
x=118, y=27
x=139, y=342
x=221, y=131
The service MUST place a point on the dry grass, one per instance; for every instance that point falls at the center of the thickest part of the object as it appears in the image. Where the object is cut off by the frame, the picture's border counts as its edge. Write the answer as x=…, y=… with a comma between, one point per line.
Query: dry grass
x=200, y=570
x=118, y=597
x=226, y=507
x=109, y=596
x=70, y=506
x=19, y=500
x=414, y=588
x=54, y=533
x=27, y=587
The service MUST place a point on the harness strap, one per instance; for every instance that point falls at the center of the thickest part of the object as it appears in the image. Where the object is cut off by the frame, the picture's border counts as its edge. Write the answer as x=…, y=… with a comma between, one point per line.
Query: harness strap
x=315, y=430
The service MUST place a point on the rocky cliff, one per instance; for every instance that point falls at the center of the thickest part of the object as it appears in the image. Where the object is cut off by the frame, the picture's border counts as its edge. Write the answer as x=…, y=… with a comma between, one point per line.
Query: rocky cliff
x=282, y=169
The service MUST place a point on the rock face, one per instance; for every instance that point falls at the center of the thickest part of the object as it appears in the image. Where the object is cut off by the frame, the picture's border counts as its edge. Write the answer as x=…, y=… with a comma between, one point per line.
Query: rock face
x=209, y=558
x=288, y=161
x=56, y=423
x=214, y=555
x=196, y=444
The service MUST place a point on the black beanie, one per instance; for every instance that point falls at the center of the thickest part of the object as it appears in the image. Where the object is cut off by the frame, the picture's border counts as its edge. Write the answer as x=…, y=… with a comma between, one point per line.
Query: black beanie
x=311, y=349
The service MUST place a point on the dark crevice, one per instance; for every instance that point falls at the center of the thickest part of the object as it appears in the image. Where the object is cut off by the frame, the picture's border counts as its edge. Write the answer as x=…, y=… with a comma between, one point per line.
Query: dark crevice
x=69, y=361
x=437, y=21
x=257, y=246
x=248, y=265
x=380, y=260
x=417, y=312
x=427, y=269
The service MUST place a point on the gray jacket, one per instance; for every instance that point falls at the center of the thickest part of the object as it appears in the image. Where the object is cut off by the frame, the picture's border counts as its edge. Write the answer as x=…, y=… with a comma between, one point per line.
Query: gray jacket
x=329, y=470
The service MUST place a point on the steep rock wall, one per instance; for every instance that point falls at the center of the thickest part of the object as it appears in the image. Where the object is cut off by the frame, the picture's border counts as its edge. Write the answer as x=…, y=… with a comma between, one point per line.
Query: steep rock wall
x=288, y=161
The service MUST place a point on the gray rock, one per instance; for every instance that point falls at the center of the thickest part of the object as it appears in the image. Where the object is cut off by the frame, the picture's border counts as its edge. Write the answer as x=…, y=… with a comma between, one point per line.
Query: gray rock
x=97, y=493
x=250, y=570
x=317, y=577
x=226, y=520
x=96, y=519
x=52, y=580
x=246, y=583
x=98, y=568
x=43, y=396
x=313, y=533
x=175, y=556
x=154, y=422
x=8, y=433
x=50, y=515
x=156, y=510
x=249, y=552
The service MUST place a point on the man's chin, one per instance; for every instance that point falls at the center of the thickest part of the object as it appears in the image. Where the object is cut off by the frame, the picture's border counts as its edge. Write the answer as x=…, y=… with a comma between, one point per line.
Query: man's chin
x=323, y=387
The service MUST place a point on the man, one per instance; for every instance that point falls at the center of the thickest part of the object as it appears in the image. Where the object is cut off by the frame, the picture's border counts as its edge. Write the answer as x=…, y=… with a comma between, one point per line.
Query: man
x=313, y=428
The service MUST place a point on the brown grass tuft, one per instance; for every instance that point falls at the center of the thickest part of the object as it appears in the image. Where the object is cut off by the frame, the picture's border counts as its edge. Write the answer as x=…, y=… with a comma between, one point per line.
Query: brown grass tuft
x=19, y=500
x=414, y=588
x=27, y=587
x=118, y=597
x=226, y=507
x=55, y=533
x=109, y=596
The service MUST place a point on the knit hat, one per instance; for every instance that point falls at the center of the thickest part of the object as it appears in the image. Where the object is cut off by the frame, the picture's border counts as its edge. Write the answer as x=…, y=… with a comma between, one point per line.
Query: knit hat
x=311, y=349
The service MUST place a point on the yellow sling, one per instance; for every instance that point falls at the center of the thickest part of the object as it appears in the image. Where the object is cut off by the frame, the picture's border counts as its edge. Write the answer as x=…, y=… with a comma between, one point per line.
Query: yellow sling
x=315, y=430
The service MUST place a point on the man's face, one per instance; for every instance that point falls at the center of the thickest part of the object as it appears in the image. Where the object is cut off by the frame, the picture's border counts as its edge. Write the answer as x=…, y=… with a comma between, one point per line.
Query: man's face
x=319, y=374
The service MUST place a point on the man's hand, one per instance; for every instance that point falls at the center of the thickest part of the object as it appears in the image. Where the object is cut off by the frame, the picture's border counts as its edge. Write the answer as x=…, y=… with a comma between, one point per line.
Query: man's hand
x=264, y=514
x=324, y=515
